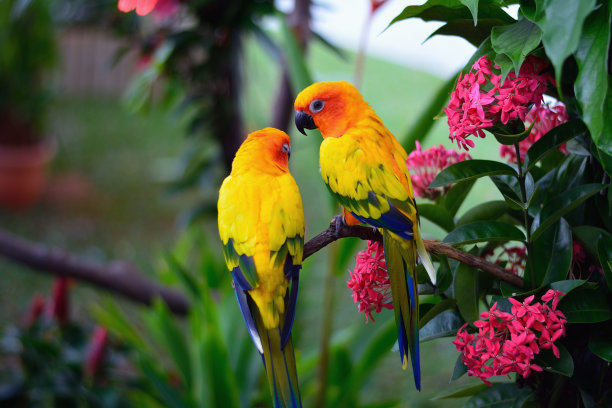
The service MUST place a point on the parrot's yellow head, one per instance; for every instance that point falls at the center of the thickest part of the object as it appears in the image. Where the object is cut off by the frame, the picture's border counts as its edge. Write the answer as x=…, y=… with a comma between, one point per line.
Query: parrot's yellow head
x=332, y=107
x=267, y=150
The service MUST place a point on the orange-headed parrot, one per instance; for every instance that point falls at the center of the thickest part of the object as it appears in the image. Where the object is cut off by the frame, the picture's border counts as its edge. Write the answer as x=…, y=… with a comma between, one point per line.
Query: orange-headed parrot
x=364, y=167
x=261, y=225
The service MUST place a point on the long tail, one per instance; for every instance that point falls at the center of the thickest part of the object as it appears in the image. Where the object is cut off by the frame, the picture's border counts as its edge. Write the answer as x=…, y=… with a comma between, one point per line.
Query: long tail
x=280, y=367
x=401, y=257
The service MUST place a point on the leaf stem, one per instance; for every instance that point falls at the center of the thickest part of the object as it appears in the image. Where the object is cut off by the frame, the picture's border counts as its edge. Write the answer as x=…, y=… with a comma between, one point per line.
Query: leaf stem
x=521, y=179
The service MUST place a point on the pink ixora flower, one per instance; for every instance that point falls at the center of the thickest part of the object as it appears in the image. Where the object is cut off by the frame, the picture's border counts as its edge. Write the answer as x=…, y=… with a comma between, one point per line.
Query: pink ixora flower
x=508, y=342
x=424, y=166
x=370, y=281
x=163, y=8
x=544, y=118
x=480, y=99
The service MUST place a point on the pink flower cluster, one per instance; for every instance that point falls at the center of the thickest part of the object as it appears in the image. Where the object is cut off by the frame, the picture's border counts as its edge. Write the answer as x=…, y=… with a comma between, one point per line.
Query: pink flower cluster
x=513, y=258
x=370, y=281
x=508, y=342
x=544, y=118
x=424, y=166
x=480, y=99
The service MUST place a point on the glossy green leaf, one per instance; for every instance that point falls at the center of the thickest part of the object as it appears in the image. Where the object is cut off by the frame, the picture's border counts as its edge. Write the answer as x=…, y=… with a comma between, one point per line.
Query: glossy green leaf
x=591, y=84
x=505, y=66
x=552, y=254
x=470, y=169
x=516, y=40
x=552, y=140
x=589, y=235
x=563, y=365
x=604, y=253
x=488, y=211
x=438, y=215
x=558, y=206
x=600, y=343
x=509, y=187
x=561, y=29
x=454, y=197
x=448, y=10
x=435, y=310
x=506, y=395
x=472, y=5
x=445, y=324
x=461, y=392
x=566, y=286
x=465, y=28
x=482, y=231
x=507, y=135
x=533, y=10
x=604, y=144
x=444, y=276
x=467, y=292
x=459, y=371
x=586, y=304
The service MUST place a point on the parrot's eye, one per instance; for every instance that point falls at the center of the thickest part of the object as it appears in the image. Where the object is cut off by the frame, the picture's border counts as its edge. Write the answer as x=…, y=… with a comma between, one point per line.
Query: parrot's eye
x=316, y=106
x=286, y=148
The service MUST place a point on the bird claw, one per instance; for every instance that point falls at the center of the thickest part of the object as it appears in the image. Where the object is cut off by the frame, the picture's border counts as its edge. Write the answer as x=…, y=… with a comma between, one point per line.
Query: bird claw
x=338, y=224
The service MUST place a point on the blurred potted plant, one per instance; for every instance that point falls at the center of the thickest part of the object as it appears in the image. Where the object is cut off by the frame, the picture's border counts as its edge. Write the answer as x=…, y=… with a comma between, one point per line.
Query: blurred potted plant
x=27, y=52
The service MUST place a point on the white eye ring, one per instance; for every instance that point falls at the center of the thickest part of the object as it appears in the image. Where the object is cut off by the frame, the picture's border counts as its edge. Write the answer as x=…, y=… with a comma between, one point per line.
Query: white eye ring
x=316, y=106
x=286, y=148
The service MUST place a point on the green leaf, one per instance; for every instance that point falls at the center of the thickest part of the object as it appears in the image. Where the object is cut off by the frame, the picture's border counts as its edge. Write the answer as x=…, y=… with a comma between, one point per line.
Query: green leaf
x=586, y=304
x=533, y=10
x=467, y=292
x=298, y=70
x=459, y=371
x=600, y=343
x=563, y=365
x=552, y=140
x=558, y=206
x=463, y=391
x=171, y=398
x=604, y=144
x=604, y=253
x=454, y=197
x=566, y=286
x=219, y=374
x=472, y=5
x=505, y=65
x=506, y=395
x=445, y=275
x=443, y=325
x=589, y=236
x=465, y=28
x=552, y=254
x=483, y=231
x=110, y=316
x=438, y=215
x=516, y=40
x=449, y=10
x=561, y=29
x=488, y=211
x=470, y=169
x=592, y=82
x=160, y=323
x=435, y=310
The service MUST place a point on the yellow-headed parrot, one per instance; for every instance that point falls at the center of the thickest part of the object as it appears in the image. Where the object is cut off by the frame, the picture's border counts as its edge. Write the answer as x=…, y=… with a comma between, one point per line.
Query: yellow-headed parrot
x=364, y=167
x=261, y=225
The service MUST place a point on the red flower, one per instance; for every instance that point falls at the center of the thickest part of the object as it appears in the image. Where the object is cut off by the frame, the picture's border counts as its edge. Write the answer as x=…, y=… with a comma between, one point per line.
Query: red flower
x=508, y=342
x=370, y=281
x=375, y=4
x=60, y=304
x=97, y=352
x=424, y=166
x=544, y=118
x=480, y=100
x=142, y=7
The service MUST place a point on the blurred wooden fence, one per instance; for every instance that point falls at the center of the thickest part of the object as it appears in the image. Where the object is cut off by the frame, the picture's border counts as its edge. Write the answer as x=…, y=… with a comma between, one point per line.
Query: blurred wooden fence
x=87, y=57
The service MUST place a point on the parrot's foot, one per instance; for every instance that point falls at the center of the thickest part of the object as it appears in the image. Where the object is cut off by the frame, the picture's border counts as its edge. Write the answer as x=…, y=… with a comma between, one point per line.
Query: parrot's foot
x=338, y=224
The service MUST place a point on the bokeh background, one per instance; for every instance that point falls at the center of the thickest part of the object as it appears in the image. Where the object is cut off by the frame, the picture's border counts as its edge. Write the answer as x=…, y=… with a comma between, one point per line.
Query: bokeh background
x=133, y=178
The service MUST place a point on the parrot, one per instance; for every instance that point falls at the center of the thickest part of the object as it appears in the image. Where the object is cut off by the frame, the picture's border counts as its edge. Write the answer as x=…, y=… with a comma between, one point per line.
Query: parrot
x=364, y=168
x=261, y=226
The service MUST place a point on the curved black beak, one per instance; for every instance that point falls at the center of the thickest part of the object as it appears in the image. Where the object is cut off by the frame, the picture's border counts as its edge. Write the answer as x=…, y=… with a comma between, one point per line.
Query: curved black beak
x=304, y=121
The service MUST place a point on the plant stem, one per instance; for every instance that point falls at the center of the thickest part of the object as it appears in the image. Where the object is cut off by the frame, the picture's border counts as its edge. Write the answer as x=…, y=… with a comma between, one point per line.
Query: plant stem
x=521, y=179
x=326, y=326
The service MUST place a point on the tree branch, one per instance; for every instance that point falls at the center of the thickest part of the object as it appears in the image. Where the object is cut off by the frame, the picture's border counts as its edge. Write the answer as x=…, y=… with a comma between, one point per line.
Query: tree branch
x=368, y=233
x=123, y=278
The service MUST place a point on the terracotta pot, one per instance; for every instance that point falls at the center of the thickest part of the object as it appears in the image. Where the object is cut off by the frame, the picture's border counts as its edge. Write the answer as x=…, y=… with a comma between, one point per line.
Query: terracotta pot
x=23, y=173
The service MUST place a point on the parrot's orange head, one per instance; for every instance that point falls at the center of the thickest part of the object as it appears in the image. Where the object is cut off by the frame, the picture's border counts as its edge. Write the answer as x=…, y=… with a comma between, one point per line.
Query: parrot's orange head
x=332, y=107
x=267, y=150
